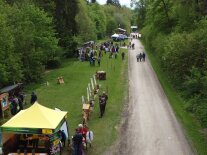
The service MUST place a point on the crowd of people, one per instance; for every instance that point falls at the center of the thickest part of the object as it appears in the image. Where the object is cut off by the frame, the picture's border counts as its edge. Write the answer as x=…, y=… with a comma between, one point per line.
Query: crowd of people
x=131, y=45
x=81, y=139
x=17, y=102
x=140, y=57
x=83, y=136
x=93, y=52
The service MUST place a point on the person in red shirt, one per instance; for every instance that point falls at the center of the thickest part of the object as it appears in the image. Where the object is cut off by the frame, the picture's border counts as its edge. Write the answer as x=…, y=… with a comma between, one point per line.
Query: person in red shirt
x=83, y=129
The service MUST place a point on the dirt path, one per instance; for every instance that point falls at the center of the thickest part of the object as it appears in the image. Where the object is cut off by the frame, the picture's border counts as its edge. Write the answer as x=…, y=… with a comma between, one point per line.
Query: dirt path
x=150, y=127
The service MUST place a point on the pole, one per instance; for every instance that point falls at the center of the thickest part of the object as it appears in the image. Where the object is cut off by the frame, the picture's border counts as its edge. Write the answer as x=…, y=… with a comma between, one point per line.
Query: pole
x=83, y=100
x=88, y=94
x=94, y=77
x=92, y=84
x=89, y=88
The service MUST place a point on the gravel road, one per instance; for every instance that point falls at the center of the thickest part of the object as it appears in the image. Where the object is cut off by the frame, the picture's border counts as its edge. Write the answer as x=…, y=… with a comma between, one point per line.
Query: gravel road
x=150, y=126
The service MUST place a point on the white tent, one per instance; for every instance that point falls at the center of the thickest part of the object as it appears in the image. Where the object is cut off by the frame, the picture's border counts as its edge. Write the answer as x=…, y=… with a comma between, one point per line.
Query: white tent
x=120, y=29
x=134, y=27
x=115, y=36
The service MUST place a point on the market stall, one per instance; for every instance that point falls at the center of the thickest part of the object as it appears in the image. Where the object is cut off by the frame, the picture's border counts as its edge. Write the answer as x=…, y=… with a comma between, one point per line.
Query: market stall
x=6, y=94
x=34, y=130
x=4, y=100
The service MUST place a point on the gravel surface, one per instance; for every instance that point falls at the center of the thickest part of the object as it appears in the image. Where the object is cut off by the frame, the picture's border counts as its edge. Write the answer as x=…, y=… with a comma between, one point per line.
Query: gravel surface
x=149, y=125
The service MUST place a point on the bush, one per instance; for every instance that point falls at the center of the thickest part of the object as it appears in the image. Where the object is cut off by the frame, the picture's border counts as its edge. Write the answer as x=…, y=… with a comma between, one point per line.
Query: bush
x=201, y=114
x=54, y=63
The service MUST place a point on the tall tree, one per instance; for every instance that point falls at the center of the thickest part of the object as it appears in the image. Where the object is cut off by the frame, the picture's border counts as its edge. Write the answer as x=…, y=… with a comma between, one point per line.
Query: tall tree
x=34, y=39
x=139, y=12
x=93, y=1
x=10, y=64
x=65, y=13
x=96, y=13
x=86, y=27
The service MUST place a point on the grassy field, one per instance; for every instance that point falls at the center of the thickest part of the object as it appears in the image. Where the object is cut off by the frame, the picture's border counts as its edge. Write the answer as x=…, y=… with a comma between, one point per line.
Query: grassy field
x=192, y=128
x=67, y=96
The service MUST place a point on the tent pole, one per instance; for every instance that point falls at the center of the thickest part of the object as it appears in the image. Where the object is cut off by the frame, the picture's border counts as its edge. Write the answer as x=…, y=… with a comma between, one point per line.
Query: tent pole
x=67, y=131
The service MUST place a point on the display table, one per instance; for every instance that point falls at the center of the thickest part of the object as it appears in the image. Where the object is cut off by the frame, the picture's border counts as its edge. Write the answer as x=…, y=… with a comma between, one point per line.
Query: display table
x=101, y=75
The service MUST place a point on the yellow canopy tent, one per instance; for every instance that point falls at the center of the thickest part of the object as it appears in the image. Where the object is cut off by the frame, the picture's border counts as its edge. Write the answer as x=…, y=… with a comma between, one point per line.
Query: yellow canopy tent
x=37, y=119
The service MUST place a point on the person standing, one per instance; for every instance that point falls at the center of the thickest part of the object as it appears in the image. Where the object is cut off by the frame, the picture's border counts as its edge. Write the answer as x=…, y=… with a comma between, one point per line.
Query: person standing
x=89, y=137
x=99, y=61
x=21, y=100
x=82, y=129
x=101, y=106
x=77, y=141
x=105, y=96
x=33, y=98
x=14, y=103
x=102, y=103
x=63, y=137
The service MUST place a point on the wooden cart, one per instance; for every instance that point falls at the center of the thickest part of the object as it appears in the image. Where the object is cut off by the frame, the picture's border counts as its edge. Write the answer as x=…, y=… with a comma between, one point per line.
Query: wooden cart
x=101, y=75
x=86, y=112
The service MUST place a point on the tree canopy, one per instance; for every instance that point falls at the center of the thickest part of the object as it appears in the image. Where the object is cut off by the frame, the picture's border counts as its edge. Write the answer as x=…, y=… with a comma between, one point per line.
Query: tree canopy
x=175, y=32
x=37, y=34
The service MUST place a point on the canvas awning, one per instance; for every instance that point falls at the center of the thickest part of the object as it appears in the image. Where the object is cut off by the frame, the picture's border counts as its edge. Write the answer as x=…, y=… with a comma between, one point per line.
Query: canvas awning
x=10, y=88
x=134, y=27
x=36, y=118
x=115, y=36
x=120, y=29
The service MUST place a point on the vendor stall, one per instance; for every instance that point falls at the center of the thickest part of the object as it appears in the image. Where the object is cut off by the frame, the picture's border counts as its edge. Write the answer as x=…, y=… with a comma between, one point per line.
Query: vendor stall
x=34, y=130
x=4, y=103
x=7, y=93
x=13, y=89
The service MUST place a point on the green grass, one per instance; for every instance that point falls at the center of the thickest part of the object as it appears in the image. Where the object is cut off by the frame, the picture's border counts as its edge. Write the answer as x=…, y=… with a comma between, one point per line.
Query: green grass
x=192, y=128
x=68, y=96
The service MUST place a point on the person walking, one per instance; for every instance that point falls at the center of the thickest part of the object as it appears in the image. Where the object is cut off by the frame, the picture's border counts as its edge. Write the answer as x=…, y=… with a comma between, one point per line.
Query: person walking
x=143, y=56
x=133, y=46
x=137, y=56
x=140, y=57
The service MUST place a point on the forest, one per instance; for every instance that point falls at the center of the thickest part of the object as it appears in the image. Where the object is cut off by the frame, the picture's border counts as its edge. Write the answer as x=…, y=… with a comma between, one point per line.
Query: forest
x=36, y=35
x=175, y=33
